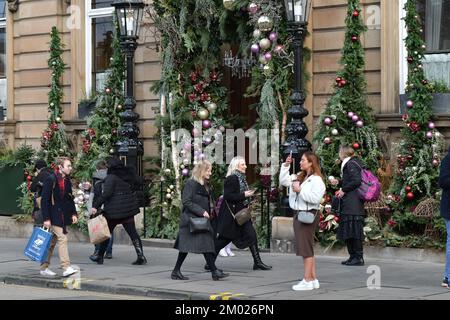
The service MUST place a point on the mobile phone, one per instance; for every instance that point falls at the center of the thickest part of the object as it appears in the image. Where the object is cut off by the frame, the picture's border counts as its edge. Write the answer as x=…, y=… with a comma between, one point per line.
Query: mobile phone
x=290, y=154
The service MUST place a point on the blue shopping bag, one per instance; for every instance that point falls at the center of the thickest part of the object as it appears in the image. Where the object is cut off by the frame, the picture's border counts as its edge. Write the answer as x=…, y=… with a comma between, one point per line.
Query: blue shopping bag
x=38, y=245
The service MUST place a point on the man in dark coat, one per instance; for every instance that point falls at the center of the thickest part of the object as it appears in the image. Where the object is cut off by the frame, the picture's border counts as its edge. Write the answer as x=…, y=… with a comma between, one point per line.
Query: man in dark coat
x=41, y=173
x=444, y=183
x=58, y=211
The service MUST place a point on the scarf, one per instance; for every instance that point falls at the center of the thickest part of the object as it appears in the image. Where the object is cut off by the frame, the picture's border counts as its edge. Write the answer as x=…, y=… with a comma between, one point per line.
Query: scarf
x=243, y=186
x=344, y=162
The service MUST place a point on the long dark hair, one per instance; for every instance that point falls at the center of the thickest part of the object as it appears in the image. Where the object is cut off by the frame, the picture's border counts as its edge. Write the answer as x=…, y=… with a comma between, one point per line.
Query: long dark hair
x=311, y=157
x=117, y=168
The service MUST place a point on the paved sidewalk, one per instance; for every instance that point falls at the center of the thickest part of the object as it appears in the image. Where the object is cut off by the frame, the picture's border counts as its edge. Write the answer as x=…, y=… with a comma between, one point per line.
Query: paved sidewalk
x=398, y=279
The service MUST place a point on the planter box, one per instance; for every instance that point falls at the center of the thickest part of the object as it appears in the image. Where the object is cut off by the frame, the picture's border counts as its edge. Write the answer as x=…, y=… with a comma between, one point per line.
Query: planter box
x=11, y=177
x=441, y=103
x=85, y=108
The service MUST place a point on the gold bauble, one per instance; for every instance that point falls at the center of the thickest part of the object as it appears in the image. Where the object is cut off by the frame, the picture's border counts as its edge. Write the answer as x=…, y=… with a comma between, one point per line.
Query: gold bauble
x=265, y=23
x=265, y=43
x=212, y=107
x=203, y=114
x=228, y=4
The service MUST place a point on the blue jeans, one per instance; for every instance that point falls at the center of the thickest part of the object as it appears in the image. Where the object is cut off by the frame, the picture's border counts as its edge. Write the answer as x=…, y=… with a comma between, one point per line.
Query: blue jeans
x=447, y=250
x=110, y=244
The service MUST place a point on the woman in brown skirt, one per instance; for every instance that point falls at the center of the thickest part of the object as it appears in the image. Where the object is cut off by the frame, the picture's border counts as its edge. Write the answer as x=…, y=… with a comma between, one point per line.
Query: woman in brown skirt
x=306, y=191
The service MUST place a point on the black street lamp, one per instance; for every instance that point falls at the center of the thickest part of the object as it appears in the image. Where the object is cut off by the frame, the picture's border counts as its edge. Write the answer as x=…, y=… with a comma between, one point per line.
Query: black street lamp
x=129, y=147
x=297, y=13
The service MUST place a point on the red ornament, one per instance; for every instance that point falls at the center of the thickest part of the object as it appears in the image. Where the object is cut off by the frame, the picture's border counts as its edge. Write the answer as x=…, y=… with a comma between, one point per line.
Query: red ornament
x=410, y=60
x=356, y=145
x=355, y=14
x=338, y=79
x=54, y=126
x=29, y=178
x=354, y=38
x=410, y=196
x=408, y=189
x=193, y=76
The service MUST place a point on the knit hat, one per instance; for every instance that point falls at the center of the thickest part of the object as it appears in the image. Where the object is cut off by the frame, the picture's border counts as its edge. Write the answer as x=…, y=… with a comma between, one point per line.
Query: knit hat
x=40, y=164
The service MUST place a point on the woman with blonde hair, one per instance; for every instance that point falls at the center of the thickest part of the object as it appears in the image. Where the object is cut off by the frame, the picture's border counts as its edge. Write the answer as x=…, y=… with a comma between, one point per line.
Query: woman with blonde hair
x=306, y=191
x=237, y=196
x=197, y=202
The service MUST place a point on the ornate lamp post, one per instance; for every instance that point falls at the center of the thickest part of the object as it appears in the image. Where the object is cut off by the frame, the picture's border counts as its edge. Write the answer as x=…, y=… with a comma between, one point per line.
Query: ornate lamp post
x=129, y=148
x=297, y=13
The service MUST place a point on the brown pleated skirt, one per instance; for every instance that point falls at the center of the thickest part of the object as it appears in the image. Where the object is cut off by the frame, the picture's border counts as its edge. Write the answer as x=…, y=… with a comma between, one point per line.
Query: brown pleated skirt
x=304, y=236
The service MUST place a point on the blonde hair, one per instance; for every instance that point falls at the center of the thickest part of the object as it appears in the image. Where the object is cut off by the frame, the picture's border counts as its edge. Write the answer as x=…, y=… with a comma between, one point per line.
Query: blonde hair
x=346, y=151
x=199, y=170
x=234, y=165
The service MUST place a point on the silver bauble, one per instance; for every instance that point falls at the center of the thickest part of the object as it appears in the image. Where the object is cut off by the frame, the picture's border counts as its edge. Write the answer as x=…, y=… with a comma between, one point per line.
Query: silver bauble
x=334, y=132
x=265, y=23
x=212, y=107
x=265, y=43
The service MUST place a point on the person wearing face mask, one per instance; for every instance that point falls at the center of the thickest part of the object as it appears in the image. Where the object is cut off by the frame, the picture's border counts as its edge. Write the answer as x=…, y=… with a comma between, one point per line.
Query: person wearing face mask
x=58, y=212
x=197, y=201
x=237, y=195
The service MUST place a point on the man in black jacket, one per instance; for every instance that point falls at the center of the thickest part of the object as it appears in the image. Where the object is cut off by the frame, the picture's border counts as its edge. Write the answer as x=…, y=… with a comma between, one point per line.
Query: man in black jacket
x=41, y=173
x=58, y=211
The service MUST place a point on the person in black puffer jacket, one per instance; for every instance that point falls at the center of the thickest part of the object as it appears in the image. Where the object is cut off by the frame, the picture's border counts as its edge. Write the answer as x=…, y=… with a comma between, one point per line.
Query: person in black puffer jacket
x=120, y=205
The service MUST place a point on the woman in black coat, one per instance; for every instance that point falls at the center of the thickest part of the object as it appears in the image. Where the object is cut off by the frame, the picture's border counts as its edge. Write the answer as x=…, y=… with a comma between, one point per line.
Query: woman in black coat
x=352, y=207
x=197, y=202
x=236, y=196
x=120, y=205
x=444, y=183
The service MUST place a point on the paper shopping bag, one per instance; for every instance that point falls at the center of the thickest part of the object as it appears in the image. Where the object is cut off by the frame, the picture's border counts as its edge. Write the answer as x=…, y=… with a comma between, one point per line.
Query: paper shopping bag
x=38, y=245
x=98, y=229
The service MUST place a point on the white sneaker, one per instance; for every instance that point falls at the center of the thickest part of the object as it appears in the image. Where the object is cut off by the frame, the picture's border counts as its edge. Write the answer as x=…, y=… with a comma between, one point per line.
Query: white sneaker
x=316, y=284
x=223, y=253
x=303, y=285
x=69, y=271
x=230, y=254
x=48, y=272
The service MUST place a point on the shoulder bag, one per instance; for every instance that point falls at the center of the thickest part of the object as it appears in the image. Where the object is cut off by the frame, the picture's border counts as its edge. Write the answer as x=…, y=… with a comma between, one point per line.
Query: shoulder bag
x=242, y=216
x=306, y=216
x=198, y=224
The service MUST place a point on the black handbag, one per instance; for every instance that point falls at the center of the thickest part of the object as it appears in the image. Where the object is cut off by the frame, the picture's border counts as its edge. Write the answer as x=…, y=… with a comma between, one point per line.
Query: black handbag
x=198, y=225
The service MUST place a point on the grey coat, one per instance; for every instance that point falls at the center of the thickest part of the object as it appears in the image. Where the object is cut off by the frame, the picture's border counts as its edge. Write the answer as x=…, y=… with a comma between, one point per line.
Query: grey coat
x=195, y=200
x=351, y=179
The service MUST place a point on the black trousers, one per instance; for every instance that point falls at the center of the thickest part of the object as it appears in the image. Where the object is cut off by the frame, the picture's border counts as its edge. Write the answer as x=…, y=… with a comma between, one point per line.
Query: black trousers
x=128, y=225
x=354, y=247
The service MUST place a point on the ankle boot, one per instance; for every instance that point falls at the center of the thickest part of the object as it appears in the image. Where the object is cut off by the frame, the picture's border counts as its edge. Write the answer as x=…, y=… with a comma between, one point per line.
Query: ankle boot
x=94, y=256
x=258, y=264
x=177, y=275
x=358, y=257
x=218, y=274
x=350, y=250
x=100, y=255
x=140, y=253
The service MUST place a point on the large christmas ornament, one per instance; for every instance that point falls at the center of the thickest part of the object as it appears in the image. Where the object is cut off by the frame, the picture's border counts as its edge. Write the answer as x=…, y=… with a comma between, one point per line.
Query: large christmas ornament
x=429, y=135
x=354, y=38
x=355, y=14
x=355, y=118
x=327, y=140
x=409, y=104
x=410, y=196
x=431, y=125
x=268, y=56
x=273, y=36
x=265, y=43
x=212, y=107
x=356, y=145
x=327, y=121
x=350, y=114
x=203, y=114
x=254, y=48
x=206, y=124
x=228, y=4
x=408, y=189
x=359, y=124
x=334, y=132
x=108, y=90
x=410, y=60
x=265, y=23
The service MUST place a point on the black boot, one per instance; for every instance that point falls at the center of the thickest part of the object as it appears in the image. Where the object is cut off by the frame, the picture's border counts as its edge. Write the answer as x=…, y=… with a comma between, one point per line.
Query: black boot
x=140, y=253
x=101, y=253
x=258, y=264
x=358, y=259
x=218, y=274
x=350, y=250
x=94, y=256
x=177, y=275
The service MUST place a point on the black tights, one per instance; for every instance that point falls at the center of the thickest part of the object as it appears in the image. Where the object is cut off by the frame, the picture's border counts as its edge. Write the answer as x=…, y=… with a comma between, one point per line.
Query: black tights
x=209, y=257
x=129, y=227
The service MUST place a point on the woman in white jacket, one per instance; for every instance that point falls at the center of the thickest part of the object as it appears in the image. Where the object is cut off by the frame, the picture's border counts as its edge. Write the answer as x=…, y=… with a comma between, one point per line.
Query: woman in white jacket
x=306, y=191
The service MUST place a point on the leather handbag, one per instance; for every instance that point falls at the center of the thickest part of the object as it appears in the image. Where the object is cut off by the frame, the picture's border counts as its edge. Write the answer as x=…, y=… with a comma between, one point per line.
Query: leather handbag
x=242, y=216
x=198, y=224
x=306, y=216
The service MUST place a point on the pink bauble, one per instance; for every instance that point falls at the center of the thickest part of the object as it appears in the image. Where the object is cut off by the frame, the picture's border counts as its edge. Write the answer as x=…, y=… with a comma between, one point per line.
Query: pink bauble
x=409, y=104
x=206, y=124
x=327, y=140
x=327, y=121
x=268, y=56
x=350, y=114
x=185, y=172
x=355, y=118
x=255, y=48
x=431, y=125
x=435, y=162
x=273, y=36
x=359, y=124
x=429, y=134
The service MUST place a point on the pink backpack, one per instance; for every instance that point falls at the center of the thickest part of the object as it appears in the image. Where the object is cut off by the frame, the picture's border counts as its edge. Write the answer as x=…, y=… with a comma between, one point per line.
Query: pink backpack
x=370, y=187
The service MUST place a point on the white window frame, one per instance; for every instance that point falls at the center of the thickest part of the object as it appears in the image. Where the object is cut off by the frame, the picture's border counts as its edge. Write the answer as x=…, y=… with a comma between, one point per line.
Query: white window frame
x=92, y=14
x=403, y=64
x=3, y=25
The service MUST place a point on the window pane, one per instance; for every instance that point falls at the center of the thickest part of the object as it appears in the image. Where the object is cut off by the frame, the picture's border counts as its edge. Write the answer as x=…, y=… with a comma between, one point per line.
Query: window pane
x=96, y=4
x=2, y=52
x=435, y=17
x=102, y=36
x=2, y=8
